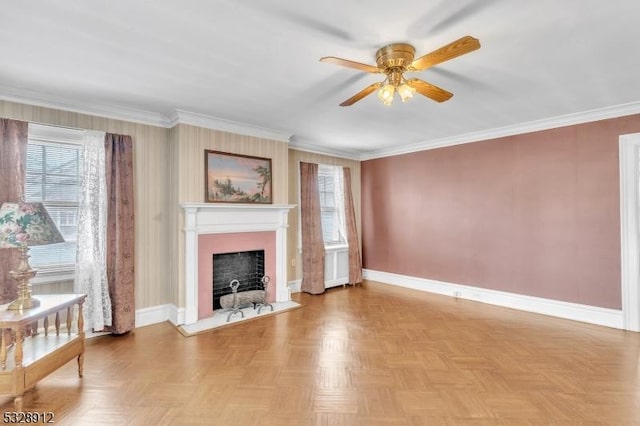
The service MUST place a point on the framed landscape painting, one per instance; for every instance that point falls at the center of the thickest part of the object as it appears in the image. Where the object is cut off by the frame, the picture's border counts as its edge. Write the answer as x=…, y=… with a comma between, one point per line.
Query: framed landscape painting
x=235, y=178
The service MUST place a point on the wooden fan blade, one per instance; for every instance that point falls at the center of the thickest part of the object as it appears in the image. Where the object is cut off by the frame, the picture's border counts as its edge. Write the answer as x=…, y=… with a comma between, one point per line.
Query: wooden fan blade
x=350, y=64
x=429, y=90
x=361, y=94
x=452, y=50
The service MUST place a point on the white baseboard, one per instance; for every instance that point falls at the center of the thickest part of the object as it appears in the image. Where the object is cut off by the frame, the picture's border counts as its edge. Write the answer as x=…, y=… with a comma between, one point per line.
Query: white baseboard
x=152, y=315
x=159, y=313
x=176, y=315
x=567, y=310
x=295, y=286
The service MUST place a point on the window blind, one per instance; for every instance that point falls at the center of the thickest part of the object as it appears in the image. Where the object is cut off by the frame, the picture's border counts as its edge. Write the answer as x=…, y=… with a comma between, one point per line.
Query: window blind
x=328, y=187
x=53, y=177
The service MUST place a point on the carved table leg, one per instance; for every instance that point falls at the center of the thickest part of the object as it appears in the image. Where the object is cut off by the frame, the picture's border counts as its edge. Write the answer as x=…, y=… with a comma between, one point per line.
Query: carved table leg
x=69, y=321
x=3, y=350
x=17, y=403
x=80, y=365
x=18, y=354
x=81, y=333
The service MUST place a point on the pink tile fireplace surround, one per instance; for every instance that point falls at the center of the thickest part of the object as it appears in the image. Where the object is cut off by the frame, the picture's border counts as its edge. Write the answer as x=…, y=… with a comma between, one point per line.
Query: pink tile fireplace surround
x=222, y=228
x=210, y=244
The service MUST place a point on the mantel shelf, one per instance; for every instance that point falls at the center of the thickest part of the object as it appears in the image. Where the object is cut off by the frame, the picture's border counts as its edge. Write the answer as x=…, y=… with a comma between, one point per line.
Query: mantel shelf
x=228, y=206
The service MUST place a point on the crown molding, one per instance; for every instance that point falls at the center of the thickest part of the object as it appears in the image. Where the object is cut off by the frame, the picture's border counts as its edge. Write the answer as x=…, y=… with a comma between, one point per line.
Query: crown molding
x=141, y=116
x=179, y=116
x=305, y=146
x=517, y=129
x=116, y=112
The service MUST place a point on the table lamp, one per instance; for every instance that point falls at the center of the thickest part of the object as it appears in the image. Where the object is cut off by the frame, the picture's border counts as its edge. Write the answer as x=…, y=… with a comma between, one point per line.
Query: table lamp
x=22, y=225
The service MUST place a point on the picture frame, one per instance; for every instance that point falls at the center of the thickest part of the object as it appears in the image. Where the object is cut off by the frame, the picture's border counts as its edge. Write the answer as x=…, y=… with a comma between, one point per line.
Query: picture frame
x=236, y=178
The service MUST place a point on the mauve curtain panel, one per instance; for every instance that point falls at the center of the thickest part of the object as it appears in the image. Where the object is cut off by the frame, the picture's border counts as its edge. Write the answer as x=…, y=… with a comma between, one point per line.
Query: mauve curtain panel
x=311, y=228
x=13, y=160
x=355, y=261
x=120, y=231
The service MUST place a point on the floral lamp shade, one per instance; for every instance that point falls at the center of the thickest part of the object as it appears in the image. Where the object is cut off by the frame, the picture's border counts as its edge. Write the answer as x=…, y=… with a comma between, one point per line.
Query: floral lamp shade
x=27, y=224
x=23, y=225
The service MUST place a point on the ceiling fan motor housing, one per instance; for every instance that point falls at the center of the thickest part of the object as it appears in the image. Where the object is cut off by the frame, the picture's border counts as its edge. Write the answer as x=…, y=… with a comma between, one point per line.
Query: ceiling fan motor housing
x=397, y=55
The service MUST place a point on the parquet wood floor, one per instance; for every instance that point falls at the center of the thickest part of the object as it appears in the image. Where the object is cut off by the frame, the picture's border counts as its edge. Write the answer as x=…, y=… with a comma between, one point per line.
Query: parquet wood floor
x=366, y=355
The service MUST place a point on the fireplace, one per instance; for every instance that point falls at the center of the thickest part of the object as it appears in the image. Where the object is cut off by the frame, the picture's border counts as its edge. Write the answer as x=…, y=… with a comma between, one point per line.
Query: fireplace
x=245, y=266
x=233, y=242
x=227, y=228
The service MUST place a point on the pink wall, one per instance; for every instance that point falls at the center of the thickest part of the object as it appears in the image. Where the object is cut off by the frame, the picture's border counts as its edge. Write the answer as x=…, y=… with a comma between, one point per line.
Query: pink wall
x=208, y=244
x=534, y=214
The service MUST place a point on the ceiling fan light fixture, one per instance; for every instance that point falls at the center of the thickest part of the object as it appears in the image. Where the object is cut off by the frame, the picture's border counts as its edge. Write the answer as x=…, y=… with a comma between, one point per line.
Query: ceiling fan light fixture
x=406, y=92
x=394, y=60
x=385, y=94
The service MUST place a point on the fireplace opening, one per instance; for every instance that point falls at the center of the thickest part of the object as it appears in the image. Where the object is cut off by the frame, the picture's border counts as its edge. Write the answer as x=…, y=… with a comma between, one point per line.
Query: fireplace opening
x=246, y=266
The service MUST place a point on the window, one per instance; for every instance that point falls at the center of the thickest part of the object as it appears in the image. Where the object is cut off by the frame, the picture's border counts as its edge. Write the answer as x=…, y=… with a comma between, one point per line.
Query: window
x=330, y=187
x=54, y=161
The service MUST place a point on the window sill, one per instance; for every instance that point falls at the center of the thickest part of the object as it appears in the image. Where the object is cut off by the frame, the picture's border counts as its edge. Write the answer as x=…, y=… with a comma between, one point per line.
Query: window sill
x=336, y=247
x=53, y=276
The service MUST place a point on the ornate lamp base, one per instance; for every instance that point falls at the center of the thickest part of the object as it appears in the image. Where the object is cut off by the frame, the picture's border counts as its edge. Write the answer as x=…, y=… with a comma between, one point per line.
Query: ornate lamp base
x=20, y=304
x=23, y=275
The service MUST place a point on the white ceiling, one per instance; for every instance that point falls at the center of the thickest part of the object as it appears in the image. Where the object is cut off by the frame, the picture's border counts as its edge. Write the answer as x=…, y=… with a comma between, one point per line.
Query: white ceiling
x=256, y=62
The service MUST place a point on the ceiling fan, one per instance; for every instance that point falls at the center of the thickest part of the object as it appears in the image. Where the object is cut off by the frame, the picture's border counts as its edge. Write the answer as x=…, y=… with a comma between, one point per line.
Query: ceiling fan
x=394, y=60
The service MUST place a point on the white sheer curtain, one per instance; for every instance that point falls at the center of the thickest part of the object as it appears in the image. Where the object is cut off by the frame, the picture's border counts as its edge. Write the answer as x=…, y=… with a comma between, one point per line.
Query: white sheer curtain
x=339, y=200
x=91, y=271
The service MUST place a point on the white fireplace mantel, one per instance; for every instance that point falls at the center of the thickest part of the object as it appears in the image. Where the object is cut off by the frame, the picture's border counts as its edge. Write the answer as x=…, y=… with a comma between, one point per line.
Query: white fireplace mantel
x=209, y=218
